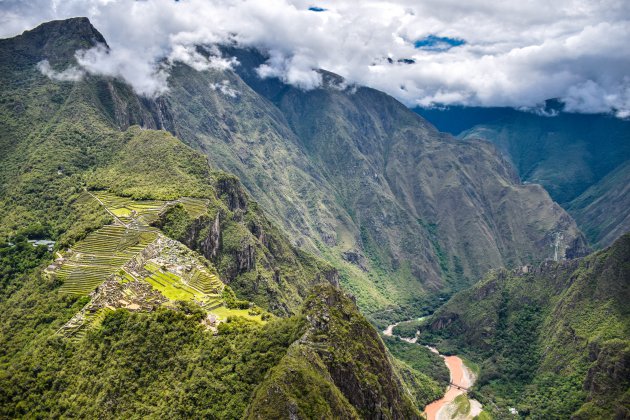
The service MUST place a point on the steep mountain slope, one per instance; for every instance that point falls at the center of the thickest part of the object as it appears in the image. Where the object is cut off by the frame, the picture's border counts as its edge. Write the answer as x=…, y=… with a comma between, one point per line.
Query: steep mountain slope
x=347, y=381
x=121, y=323
x=391, y=212
x=603, y=210
x=565, y=153
x=553, y=341
x=58, y=146
x=404, y=212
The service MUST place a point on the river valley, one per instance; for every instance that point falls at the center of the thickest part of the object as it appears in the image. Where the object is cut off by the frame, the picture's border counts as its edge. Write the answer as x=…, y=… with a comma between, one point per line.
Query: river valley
x=462, y=378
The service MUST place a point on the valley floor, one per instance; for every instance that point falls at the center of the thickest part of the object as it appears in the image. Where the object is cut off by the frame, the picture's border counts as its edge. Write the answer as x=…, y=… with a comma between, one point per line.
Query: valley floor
x=462, y=379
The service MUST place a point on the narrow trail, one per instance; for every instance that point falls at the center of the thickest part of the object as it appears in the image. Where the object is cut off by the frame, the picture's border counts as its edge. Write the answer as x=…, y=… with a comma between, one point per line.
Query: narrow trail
x=107, y=210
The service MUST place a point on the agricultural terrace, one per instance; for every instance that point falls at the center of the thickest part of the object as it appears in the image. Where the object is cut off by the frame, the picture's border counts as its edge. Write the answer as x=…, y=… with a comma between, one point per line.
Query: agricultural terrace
x=146, y=212
x=131, y=253
x=101, y=254
x=173, y=286
x=104, y=252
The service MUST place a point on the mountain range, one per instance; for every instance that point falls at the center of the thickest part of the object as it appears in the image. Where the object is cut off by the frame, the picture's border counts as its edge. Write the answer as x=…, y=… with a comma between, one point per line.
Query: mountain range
x=229, y=248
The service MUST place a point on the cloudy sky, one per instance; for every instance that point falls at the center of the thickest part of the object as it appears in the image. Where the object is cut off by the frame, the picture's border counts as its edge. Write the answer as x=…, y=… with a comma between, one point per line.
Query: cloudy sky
x=423, y=52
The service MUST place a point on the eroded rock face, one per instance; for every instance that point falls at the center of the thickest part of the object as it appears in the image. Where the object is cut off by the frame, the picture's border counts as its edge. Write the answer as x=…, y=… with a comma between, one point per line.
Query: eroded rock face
x=212, y=243
x=231, y=192
x=356, y=258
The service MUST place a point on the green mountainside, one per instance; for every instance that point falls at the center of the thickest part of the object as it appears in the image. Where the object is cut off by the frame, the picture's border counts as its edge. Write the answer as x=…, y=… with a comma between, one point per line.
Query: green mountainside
x=347, y=378
x=602, y=211
x=184, y=256
x=352, y=175
x=167, y=292
x=552, y=341
x=349, y=174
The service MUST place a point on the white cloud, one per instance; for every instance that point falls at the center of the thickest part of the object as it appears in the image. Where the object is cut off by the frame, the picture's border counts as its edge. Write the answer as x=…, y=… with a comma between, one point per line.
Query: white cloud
x=188, y=54
x=515, y=53
x=147, y=76
x=225, y=88
x=71, y=74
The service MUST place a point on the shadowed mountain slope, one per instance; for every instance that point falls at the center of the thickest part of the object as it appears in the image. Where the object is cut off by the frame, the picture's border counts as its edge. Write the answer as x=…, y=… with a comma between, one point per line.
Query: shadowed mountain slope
x=603, y=210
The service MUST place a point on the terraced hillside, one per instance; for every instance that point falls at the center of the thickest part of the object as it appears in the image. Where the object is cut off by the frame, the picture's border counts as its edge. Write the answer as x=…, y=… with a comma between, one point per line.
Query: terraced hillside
x=131, y=264
x=146, y=212
x=101, y=254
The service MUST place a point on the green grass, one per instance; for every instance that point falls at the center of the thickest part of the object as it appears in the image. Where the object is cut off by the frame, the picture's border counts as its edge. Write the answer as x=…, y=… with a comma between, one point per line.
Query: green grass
x=143, y=212
x=174, y=288
x=463, y=405
x=484, y=415
x=224, y=313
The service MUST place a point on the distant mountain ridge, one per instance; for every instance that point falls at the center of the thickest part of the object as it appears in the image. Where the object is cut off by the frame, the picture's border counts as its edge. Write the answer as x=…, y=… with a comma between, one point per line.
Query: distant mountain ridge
x=574, y=156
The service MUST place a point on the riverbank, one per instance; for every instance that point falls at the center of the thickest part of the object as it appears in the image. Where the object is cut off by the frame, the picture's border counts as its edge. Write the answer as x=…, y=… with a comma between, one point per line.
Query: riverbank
x=461, y=379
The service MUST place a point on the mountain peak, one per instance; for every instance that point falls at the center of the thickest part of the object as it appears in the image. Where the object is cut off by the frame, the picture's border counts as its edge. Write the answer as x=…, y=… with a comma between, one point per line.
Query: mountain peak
x=73, y=28
x=55, y=41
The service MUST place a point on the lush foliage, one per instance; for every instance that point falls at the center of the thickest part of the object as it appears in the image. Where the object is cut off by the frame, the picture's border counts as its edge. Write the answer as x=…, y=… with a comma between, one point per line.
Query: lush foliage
x=419, y=358
x=552, y=342
x=16, y=258
x=160, y=364
x=408, y=329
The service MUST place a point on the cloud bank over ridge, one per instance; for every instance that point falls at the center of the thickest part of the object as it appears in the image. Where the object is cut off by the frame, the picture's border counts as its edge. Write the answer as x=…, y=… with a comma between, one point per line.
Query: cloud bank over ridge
x=423, y=52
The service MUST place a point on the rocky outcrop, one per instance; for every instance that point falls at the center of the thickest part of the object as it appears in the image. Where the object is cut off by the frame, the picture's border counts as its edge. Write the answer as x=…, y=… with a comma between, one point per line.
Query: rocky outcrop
x=341, y=363
x=229, y=189
x=211, y=245
x=355, y=257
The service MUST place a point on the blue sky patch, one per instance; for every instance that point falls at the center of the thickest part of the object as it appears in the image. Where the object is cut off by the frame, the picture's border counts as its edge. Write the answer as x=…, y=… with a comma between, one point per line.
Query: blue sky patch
x=317, y=9
x=438, y=43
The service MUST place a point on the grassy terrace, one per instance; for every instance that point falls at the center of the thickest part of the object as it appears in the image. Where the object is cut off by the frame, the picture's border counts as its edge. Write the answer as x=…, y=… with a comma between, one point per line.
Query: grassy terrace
x=77, y=330
x=99, y=255
x=223, y=313
x=173, y=287
x=146, y=212
x=196, y=207
x=205, y=282
x=104, y=253
x=128, y=210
